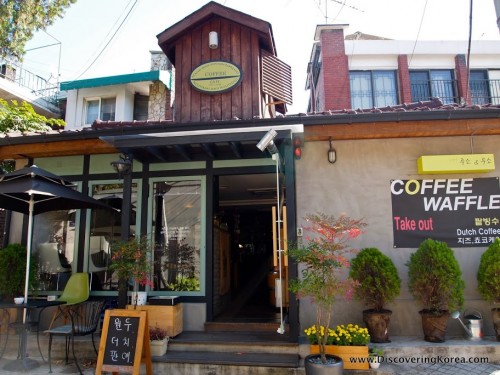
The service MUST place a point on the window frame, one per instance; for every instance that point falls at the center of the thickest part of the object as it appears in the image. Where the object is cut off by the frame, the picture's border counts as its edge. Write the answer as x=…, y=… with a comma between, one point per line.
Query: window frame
x=100, y=116
x=373, y=89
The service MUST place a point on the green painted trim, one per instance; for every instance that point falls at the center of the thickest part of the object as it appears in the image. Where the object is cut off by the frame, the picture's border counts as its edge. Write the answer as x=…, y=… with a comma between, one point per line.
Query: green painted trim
x=243, y=163
x=153, y=75
x=155, y=167
x=61, y=165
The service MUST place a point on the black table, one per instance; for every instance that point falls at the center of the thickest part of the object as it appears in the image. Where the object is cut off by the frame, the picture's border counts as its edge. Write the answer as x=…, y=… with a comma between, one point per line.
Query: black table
x=23, y=362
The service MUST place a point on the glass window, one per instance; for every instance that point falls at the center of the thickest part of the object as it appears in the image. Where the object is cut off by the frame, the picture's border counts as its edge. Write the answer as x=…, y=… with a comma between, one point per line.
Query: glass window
x=177, y=235
x=435, y=83
x=478, y=84
x=373, y=89
x=105, y=229
x=100, y=109
x=54, y=247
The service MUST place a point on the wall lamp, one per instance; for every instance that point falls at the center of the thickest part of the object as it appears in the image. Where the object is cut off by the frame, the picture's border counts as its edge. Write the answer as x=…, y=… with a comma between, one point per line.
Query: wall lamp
x=332, y=153
x=267, y=142
x=122, y=166
x=213, y=39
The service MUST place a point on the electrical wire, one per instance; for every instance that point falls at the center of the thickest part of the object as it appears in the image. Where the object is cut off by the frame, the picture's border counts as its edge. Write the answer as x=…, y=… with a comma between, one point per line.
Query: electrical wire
x=467, y=90
x=418, y=33
x=109, y=41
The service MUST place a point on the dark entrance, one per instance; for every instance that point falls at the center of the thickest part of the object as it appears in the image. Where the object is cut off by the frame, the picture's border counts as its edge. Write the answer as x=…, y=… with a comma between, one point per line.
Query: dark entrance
x=243, y=248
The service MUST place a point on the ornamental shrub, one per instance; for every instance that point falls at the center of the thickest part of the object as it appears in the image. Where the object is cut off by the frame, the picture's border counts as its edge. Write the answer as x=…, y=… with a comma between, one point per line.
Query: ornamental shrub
x=435, y=277
x=13, y=271
x=377, y=277
x=488, y=275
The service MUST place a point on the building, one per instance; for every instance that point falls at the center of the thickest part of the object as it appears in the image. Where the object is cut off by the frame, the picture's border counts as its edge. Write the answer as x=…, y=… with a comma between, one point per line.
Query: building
x=365, y=71
x=197, y=183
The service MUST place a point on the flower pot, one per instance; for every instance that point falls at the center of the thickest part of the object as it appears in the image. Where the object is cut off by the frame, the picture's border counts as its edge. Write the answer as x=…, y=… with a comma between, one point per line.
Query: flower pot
x=374, y=363
x=138, y=298
x=314, y=366
x=354, y=357
x=434, y=325
x=377, y=324
x=159, y=347
x=495, y=315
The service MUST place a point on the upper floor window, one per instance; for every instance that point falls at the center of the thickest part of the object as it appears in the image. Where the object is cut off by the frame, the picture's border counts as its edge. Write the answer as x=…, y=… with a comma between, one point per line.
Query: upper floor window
x=427, y=84
x=100, y=108
x=373, y=89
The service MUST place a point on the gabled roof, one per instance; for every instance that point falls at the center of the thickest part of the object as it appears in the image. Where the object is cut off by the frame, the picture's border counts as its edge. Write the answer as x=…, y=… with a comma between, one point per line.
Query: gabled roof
x=167, y=38
x=153, y=75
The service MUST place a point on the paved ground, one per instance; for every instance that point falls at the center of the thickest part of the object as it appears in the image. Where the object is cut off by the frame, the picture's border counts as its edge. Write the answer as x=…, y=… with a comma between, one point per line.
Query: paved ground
x=442, y=369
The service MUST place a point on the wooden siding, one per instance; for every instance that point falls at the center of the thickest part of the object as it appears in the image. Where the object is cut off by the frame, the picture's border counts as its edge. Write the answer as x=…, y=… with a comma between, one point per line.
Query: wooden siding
x=237, y=44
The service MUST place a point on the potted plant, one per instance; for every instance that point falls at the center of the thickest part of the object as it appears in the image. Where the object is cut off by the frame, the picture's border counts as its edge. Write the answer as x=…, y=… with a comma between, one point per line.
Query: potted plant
x=324, y=274
x=130, y=261
x=159, y=340
x=13, y=271
x=435, y=280
x=349, y=342
x=378, y=284
x=488, y=281
x=376, y=355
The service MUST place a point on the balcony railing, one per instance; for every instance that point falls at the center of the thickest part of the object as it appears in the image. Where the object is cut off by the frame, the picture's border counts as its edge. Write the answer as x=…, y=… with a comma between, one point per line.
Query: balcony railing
x=24, y=78
x=446, y=90
x=482, y=91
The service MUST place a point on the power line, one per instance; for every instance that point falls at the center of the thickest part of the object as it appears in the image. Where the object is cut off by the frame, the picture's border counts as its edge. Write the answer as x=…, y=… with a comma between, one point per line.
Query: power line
x=109, y=41
x=418, y=33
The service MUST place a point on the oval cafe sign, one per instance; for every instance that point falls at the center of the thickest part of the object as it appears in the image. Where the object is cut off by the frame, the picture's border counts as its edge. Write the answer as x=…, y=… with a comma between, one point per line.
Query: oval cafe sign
x=215, y=77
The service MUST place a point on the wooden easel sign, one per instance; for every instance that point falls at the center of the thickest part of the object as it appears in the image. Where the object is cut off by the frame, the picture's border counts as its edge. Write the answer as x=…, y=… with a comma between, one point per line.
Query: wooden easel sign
x=124, y=342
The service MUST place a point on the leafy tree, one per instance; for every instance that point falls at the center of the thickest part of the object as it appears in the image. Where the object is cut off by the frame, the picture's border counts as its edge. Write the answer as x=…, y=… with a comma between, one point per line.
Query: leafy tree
x=22, y=117
x=20, y=19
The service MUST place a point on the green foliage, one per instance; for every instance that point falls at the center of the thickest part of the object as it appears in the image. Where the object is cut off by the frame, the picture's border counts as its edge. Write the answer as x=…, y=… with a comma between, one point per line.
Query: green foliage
x=378, y=278
x=23, y=118
x=185, y=284
x=435, y=278
x=130, y=260
x=488, y=275
x=13, y=271
x=20, y=19
x=376, y=352
x=324, y=276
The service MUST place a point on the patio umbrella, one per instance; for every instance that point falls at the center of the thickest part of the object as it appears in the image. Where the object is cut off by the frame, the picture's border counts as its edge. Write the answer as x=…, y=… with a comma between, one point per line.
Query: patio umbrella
x=32, y=191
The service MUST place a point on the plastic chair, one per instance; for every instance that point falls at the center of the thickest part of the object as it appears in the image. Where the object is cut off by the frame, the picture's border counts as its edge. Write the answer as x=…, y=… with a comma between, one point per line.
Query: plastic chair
x=85, y=318
x=77, y=290
x=49, y=261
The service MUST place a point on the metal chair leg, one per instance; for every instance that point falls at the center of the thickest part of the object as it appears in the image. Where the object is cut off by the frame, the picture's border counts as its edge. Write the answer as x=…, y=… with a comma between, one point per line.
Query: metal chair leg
x=74, y=355
x=50, y=353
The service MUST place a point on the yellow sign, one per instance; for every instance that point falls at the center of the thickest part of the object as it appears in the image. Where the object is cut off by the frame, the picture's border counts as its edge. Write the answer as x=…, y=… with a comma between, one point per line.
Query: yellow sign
x=216, y=77
x=467, y=163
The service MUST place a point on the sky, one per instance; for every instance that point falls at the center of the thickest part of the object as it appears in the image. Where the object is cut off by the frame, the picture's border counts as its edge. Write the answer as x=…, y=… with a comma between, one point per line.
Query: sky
x=97, y=38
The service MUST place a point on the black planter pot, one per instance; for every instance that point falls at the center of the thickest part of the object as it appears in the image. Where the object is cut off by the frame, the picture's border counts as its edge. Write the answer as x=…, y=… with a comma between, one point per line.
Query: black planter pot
x=434, y=325
x=377, y=324
x=495, y=315
x=314, y=366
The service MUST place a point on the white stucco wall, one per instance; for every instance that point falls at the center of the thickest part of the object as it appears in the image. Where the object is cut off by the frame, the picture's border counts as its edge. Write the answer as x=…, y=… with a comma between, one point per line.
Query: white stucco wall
x=358, y=184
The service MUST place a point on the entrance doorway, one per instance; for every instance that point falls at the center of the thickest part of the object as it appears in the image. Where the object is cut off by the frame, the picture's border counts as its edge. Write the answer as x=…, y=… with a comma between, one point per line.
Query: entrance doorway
x=244, y=254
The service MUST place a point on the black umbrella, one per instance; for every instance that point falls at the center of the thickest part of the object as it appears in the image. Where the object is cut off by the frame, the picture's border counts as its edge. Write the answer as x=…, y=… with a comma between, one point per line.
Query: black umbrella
x=32, y=191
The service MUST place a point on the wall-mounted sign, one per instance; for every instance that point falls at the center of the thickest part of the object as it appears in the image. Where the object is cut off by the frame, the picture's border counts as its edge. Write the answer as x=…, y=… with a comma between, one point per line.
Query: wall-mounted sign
x=215, y=77
x=467, y=163
x=461, y=212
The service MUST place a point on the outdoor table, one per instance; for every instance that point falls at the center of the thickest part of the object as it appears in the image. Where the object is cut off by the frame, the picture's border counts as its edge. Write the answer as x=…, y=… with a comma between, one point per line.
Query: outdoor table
x=23, y=362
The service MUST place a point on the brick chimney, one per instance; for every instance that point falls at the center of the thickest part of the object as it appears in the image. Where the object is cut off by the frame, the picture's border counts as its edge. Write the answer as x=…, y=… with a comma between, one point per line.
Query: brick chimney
x=335, y=69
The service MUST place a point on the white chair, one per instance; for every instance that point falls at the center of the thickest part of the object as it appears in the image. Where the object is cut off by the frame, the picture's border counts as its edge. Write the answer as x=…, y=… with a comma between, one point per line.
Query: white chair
x=99, y=257
x=50, y=263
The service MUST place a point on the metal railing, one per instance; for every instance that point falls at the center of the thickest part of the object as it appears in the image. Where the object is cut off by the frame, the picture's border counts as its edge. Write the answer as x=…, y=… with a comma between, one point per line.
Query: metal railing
x=39, y=86
x=485, y=91
x=446, y=90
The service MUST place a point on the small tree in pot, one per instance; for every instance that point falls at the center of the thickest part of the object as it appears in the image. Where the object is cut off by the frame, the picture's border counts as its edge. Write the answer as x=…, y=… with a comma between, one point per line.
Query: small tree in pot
x=324, y=276
x=435, y=279
x=488, y=281
x=378, y=284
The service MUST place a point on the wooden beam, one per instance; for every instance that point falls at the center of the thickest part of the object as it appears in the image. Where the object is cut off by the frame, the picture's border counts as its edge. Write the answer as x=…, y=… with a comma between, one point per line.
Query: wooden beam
x=51, y=149
x=402, y=129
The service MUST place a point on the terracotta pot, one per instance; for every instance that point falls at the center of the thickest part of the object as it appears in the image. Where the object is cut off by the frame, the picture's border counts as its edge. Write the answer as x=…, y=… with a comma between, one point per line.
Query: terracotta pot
x=377, y=324
x=434, y=325
x=495, y=315
x=314, y=366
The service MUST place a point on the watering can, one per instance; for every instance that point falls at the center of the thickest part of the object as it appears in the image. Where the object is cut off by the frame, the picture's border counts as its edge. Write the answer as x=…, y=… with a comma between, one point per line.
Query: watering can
x=473, y=324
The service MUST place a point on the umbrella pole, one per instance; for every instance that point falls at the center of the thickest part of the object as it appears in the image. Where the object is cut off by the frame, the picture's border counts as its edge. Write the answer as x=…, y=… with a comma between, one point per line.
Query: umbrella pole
x=28, y=253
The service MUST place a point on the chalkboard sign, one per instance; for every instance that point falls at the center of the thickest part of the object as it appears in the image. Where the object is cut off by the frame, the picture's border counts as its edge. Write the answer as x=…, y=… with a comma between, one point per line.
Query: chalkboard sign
x=124, y=342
